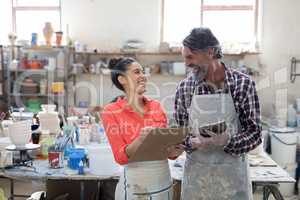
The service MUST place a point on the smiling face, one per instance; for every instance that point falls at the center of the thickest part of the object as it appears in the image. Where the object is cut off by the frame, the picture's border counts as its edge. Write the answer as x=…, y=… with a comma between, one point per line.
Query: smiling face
x=134, y=81
x=198, y=61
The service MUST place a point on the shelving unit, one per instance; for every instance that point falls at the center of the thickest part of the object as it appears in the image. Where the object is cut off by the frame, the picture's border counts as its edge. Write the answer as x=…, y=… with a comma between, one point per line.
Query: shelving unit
x=293, y=72
x=163, y=61
x=52, y=64
x=3, y=107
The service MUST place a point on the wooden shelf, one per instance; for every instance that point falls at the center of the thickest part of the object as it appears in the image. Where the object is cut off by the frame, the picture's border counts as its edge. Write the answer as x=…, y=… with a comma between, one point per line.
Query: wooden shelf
x=37, y=70
x=36, y=95
x=25, y=95
x=30, y=70
x=154, y=53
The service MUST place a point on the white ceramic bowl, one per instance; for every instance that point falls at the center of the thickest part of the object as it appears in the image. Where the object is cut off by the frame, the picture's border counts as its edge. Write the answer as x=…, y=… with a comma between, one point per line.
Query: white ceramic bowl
x=20, y=132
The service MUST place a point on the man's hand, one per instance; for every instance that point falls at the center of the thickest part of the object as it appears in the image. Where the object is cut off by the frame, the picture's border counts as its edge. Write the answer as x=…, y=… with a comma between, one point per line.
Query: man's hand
x=201, y=142
x=174, y=151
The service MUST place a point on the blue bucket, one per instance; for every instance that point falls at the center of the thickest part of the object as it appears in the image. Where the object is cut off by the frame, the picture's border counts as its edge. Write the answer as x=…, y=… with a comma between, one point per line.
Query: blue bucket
x=75, y=156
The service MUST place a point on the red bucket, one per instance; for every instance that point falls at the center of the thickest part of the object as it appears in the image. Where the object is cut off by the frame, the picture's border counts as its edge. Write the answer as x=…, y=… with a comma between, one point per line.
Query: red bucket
x=56, y=159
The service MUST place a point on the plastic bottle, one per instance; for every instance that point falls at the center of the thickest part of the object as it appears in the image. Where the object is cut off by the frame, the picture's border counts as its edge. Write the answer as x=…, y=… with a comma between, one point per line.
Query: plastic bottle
x=292, y=116
x=103, y=137
x=77, y=132
x=95, y=136
x=60, y=60
x=81, y=168
x=45, y=144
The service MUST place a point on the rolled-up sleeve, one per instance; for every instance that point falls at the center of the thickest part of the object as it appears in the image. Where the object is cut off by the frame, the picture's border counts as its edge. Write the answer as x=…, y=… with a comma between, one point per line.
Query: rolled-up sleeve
x=249, y=136
x=114, y=135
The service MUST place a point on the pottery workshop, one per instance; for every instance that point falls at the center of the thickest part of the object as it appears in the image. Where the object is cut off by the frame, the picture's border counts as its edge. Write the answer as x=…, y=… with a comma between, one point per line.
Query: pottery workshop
x=149, y=100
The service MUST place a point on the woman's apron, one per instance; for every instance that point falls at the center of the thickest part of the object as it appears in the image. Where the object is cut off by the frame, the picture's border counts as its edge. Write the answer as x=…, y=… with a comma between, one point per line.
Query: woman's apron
x=149, y=180
x=212, y=174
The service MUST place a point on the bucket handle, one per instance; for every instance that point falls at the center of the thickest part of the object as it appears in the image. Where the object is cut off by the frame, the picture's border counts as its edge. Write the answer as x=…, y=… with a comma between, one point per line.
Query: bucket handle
x=283, y=142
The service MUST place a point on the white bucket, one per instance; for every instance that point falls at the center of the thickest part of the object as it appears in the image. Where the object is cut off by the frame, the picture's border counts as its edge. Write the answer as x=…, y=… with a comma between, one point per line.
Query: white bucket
x=283, y=145
x=20, y=132
x=287, y=189
x=102, y=160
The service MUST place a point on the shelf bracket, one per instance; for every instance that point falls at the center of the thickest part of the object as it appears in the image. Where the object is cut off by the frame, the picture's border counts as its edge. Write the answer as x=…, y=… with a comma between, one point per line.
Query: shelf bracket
x=294, y=73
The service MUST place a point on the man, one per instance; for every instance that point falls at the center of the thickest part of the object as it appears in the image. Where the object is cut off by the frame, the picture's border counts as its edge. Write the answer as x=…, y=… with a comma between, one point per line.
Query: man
x=216, y=165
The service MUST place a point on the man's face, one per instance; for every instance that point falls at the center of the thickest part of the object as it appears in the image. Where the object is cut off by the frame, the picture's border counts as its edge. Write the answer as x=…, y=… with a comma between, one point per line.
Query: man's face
x=198, y=60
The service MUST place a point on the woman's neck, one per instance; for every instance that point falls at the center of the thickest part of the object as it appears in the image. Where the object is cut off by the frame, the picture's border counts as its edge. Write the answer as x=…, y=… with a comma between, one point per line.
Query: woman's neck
x=136, y=102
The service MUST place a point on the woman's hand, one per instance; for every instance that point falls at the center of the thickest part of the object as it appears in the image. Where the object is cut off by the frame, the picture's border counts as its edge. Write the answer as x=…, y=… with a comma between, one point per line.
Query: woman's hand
x=132, y=148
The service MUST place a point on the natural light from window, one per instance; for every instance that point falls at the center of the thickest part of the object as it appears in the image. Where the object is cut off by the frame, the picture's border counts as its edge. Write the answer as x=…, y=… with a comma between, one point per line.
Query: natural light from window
x=180, y=18
x=30, y=16
x=37, y=21
x=232, y=21
x=5, y=21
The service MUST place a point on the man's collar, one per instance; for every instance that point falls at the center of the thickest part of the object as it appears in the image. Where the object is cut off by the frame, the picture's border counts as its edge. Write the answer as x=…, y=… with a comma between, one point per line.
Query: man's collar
x=228, y=76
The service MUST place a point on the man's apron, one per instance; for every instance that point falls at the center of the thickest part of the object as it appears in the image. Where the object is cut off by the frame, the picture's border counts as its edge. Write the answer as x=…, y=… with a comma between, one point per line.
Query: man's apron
x=212, y=174
x=149, y=180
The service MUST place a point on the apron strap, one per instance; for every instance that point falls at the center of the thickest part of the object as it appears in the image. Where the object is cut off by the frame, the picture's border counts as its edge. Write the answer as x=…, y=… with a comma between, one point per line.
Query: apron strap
x=125, y=184
x=154, y=192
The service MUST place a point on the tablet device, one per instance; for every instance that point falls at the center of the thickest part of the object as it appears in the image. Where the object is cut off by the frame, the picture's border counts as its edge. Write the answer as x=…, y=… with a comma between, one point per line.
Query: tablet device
x=216, y=128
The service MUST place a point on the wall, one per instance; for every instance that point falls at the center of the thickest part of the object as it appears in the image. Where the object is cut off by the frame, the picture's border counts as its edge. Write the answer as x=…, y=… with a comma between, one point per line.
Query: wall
x=280, y=42
x=108, y=24
x=99, y=90
x=5, y=14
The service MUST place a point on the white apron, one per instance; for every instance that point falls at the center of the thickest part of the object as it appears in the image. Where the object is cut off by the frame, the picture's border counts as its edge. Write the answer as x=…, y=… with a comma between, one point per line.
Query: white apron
x=212, y=174
x=149, y=180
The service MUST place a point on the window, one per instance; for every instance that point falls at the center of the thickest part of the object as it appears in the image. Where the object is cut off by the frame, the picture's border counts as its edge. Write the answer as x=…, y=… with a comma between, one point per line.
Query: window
x=29, y=16
x=232, y=21
x=5, y=21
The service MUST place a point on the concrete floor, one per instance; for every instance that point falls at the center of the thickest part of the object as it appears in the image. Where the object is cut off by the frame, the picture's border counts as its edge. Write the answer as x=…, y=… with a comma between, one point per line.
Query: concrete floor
x=25, y=187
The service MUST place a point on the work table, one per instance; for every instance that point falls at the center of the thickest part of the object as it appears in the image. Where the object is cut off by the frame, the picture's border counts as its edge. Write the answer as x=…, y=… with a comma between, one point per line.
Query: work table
x=263, y=172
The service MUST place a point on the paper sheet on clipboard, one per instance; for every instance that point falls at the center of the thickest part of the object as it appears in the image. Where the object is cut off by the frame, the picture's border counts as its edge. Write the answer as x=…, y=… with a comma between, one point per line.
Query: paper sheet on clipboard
x=155, y=143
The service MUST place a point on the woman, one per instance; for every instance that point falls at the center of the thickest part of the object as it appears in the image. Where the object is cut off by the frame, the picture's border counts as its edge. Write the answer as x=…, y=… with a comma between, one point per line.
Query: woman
x=124, y=121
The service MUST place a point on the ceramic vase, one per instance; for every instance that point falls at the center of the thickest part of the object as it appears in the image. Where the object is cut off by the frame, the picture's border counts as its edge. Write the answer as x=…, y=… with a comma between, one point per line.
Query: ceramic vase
x=48, y=33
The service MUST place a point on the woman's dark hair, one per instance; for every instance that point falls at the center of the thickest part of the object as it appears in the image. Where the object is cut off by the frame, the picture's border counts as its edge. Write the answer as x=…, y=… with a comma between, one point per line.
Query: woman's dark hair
x=118, y=67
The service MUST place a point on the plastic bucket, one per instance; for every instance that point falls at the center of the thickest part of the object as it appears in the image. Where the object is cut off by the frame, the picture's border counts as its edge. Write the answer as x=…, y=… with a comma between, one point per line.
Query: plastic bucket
x=102, y=161
x=20, y=132
x=284, y=145
x=74, y=159
x=75, y=156
x=287, y=189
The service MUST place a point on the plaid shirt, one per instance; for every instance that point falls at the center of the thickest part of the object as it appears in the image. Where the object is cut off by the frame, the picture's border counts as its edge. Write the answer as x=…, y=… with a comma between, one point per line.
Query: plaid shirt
x=246, y=104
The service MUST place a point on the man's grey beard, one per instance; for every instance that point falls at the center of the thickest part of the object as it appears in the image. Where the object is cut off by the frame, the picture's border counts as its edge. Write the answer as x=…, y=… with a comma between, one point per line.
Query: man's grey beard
x=199, y=71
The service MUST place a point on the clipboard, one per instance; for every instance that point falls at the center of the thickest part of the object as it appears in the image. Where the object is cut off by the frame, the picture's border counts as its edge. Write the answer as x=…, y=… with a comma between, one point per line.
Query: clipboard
x=155, y=143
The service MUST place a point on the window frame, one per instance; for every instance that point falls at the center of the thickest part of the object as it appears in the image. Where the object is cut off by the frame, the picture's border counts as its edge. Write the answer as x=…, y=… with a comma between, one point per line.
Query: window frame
x=15, y=8
x=204, y=8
